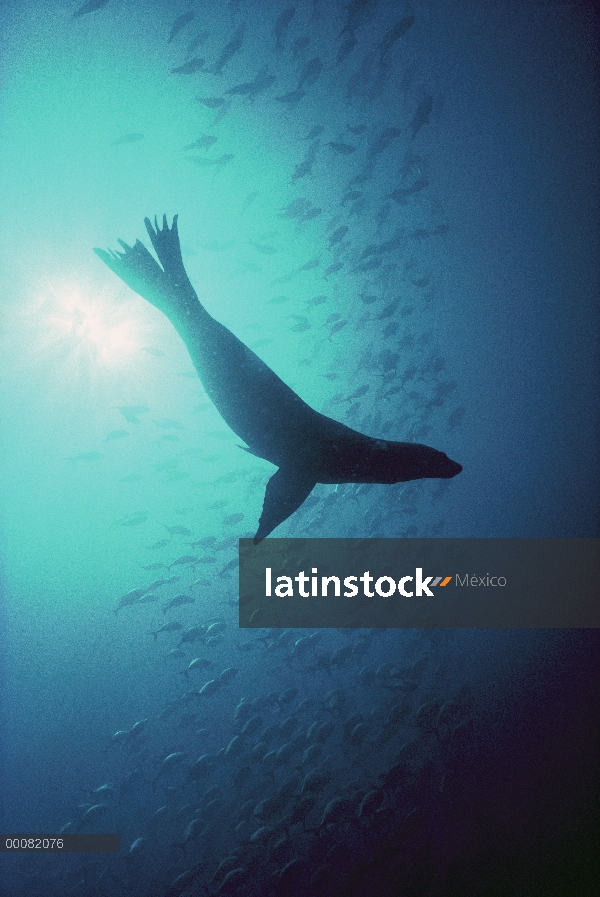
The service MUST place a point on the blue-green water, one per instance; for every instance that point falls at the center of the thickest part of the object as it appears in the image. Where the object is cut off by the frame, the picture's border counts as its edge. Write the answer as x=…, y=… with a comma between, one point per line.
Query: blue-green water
x=408, y=236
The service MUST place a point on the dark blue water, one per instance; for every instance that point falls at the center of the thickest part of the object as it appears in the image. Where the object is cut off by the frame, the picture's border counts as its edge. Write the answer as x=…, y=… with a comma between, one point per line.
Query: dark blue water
x=395, y=205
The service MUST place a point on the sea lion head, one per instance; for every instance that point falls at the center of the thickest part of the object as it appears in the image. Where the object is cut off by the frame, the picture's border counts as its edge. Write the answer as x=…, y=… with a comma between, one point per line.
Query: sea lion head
x=397, y=462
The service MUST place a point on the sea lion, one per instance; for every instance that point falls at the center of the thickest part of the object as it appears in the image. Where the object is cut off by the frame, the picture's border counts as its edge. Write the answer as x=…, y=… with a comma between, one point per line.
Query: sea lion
x=274, y=423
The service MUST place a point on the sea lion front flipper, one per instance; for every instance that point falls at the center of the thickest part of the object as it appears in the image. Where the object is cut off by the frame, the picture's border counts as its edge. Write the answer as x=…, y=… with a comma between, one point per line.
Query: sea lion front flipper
x=286, y=490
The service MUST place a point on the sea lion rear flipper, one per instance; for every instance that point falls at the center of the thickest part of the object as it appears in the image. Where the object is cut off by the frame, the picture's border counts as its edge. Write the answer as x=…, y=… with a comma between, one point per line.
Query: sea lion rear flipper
x=170, y=289
x=139, y=270
x=166, y=245
x=286, y=490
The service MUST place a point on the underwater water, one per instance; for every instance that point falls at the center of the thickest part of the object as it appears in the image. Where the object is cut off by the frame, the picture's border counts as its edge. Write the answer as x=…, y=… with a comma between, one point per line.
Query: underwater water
x=395, y=206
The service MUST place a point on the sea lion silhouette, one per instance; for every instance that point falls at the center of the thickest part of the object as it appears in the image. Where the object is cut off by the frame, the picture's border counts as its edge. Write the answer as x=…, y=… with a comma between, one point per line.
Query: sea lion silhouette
x=307, y=447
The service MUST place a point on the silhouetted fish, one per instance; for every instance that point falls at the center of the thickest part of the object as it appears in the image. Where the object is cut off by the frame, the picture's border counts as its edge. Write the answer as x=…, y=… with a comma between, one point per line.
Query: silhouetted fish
x=229, y=50
x=212, y=102
x=205, y=141
x=310, y=73
x=90, y=6
x=190, y=67
x=421, y=116
x=281, y=26
x=396, y=31
x=180, y=23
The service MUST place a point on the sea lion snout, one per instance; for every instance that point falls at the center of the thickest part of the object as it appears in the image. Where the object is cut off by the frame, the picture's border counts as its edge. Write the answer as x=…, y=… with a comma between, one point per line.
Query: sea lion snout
x=453, y=468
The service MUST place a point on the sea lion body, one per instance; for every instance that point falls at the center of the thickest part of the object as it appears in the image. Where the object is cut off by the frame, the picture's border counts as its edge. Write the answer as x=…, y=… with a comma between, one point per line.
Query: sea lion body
x=271, y=419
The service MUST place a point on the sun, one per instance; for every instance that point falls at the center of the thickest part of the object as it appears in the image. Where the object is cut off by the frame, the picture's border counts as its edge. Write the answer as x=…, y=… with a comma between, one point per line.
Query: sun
x=77, y=325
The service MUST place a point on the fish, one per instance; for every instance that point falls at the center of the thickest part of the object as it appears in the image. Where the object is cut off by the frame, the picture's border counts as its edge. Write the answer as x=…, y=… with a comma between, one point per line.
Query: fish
x=456, y=417
x=86, y=456
x=263, y=248
x=177, y=601
x=358, y=393
x=195, y=42
x=158, y=583
x=199, y=663
x=281, y=26
x=166, y=423
x=91, y=814
x=212, y=102
x=337, y=327
x=190, y=67
x=156, y=353
x=292, y=98
x=229, y=50
x=148, y=599
x=115, y=434
x=314, y=132
x=167, y=627
x=302, y=169
x=250, y=198
x=272, y=421
x=300, y=44
x=351, y=196
x=90, y=6
x=383, y=141
x=312, y=213
x=310, y=73
x=183, y=881
x=130, y=598
x=344, y=149
x=104, y=789
x=205, y=141
x=210, y=687
x=180, y=23
x=131, y=412
x=358, y=12
x=184, y=559
x=137, y=845
x=401, y=194
x=225, y=159
x=295, y=209
x=338, y=235
x=365, y=174
x=171, y=761
x=308, y=266
x=395, y=32
x=302, y=325
x=421, y=116
x=345, y=49
x=250, y=89
x=336, y=266
x=362, y=76
x=195, y=634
